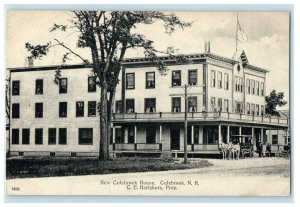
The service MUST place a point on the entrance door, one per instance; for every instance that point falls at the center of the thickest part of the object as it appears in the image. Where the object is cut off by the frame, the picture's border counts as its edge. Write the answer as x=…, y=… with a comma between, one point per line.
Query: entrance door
x=175, y=139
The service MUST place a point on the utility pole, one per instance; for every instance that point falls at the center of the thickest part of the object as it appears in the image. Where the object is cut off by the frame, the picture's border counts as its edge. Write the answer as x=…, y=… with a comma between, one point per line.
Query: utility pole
x=185, y=96
x=185, y=122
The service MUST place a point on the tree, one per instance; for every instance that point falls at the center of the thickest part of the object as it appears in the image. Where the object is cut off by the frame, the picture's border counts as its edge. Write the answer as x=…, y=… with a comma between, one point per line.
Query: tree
x=272, y=101
x=108, y=35
x=7, y=110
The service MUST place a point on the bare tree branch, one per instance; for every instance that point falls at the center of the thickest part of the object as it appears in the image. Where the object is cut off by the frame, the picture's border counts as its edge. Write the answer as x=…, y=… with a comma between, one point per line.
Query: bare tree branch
x=74, y=53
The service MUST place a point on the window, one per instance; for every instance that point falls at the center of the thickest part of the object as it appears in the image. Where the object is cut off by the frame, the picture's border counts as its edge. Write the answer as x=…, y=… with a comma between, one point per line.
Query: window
x=25, y=136
x=150, y=135
x=92, y=108
x=238, y=107
x=257, y=87
x=210, y=135
x=262, y=110
x=63, y=109
x=130, y=80
x=39, y=86
x=130, y=134
x=192, y=77
x=257, y=109
x=119, y=107
x=15, y=110
x=226, y=81
x=226, y=105
x=63, y=85
x=192, y=104
x=176, y=104
x=91, y=84
x=79, y=109
x=38, y=136
x=248, y=86
x=213, y=103
x=15, y=88
x=85, y=136
x=38, y=110
x=274, y=139
x=213, y=78
x=238, y=84
x=219, y=80
x=15, y=136
x=51, y=136
x=248, y=108
x=253, y=86
x=150, y=80
x=219, y=104
x=150, y=105
x=129, y=106
x=252, y=109
x=176, y=78
x=62, y=136
x=262, y=89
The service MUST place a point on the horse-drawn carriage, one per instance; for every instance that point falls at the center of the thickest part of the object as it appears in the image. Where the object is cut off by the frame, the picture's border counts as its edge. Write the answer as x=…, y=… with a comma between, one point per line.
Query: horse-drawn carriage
x=239, y=146
x=245, y=142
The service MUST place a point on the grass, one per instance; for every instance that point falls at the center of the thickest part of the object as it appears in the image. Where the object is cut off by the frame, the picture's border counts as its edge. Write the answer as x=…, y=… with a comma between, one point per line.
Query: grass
x=26, y=167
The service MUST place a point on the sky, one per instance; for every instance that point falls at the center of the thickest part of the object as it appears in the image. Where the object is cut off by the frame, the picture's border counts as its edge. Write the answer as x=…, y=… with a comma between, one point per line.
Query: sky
x=267, y=45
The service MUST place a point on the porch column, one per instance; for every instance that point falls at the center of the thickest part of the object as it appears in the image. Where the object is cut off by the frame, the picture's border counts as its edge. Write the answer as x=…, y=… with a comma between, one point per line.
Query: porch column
x=219, y=134
x=200, y=134
x=253, y=138
x=228, y=134
x=270, y=139
x=135, y=129
x=160, y=133
x=240, y=133
x=125, y=135
x=114, y=134
x=192, y=134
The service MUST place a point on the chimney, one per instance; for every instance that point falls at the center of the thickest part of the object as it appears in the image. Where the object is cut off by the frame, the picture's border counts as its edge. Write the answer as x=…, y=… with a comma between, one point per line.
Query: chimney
x=28, y=62
x=207, y=47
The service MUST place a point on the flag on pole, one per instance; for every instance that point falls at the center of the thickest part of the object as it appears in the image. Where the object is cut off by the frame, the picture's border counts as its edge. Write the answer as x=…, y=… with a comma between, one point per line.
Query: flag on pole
x=240, y=34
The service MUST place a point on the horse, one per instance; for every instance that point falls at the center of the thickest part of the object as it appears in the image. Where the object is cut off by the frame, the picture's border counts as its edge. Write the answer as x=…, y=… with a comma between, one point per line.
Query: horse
x=231, y=150
x=224, y=149
x=237, y=149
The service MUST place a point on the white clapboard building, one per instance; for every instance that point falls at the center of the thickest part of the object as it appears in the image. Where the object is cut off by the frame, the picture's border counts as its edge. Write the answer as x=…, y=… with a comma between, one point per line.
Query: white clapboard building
x=225, y=100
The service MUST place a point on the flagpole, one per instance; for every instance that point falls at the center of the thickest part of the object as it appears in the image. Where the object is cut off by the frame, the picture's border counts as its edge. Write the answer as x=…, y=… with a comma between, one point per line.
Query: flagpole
x=236, y=33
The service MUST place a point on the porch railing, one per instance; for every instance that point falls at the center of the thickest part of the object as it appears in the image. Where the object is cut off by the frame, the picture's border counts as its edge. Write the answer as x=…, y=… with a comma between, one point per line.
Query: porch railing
x=165, y=116
x=137, y=146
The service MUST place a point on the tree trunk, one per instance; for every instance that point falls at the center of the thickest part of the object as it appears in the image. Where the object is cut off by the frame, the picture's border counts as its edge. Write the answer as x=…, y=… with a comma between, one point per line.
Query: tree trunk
x=104, y=144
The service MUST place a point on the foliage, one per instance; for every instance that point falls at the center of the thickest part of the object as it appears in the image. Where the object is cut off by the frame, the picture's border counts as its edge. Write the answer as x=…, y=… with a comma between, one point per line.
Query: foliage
x=49, y=167
x=272, y=101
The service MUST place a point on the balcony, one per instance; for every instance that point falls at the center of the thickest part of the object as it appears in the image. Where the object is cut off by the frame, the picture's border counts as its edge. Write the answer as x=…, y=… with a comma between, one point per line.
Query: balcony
x=200, y=116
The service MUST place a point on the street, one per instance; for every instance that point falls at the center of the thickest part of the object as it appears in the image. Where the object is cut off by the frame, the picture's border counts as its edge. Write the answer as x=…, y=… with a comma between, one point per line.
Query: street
x=244, y=177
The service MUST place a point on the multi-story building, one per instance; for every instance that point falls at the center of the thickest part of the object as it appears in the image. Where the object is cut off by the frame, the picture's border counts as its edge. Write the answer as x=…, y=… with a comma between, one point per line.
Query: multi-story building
x=225, y=100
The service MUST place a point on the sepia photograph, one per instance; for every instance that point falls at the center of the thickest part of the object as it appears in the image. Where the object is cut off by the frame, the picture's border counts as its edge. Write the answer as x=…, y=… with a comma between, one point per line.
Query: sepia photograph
x=148, y=103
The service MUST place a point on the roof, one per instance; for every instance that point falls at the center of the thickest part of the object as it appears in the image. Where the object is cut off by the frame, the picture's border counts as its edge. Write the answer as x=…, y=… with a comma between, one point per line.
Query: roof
x=240, y=54
x=143, y=60
x=285, y=113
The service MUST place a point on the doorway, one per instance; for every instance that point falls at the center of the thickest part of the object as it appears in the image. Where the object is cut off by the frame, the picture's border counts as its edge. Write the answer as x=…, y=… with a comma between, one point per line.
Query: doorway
x=175, y=139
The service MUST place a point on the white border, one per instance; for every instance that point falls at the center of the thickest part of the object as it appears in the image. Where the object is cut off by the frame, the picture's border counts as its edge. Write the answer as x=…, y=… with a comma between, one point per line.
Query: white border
x=295, y=79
